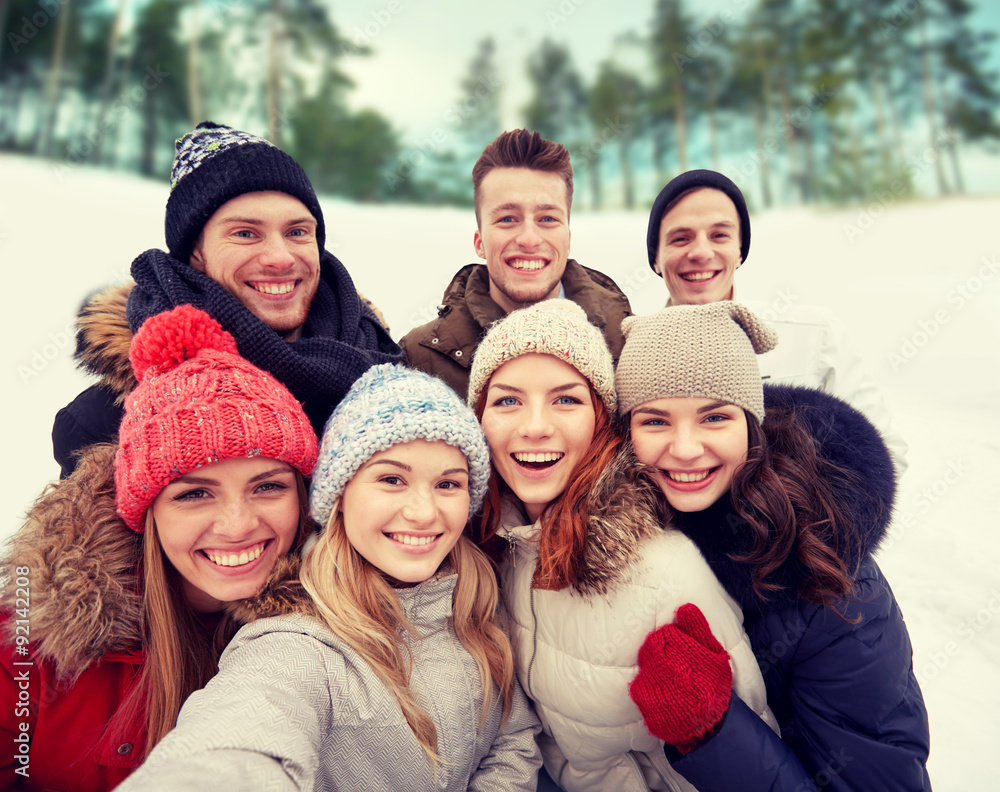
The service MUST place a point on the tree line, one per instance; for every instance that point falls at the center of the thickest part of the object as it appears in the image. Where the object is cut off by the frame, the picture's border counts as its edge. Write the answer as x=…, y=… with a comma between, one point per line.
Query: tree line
x=800, y=101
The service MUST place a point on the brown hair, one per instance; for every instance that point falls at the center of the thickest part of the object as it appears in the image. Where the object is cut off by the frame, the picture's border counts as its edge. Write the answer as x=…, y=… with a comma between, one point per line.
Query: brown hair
x=520, y=148
x=564, y=521
x=182, y=654
x=786, y=494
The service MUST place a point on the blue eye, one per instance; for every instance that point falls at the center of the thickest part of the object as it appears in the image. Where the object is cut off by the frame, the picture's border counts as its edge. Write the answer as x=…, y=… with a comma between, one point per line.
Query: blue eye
x=505, y=401
x=568, y=400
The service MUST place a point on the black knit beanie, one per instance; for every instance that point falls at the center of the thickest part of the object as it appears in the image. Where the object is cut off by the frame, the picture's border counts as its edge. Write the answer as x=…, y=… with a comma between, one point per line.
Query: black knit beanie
x=214, y=164
x=688, y=181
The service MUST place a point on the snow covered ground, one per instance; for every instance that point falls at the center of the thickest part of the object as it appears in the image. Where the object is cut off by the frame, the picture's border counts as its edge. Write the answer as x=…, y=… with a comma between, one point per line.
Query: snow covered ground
x=916, y=282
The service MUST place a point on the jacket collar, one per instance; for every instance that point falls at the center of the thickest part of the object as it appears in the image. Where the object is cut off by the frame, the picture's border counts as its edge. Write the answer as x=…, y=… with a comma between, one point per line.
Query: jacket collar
x=624, y=508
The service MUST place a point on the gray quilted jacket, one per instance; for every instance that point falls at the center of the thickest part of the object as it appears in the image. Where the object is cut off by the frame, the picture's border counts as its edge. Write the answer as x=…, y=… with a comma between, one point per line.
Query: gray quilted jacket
x=293, y=708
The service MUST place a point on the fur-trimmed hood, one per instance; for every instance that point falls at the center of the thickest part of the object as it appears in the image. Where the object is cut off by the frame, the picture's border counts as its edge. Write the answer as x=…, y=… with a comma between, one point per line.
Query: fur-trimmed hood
x=103, y=339
x=843, y=437
x=84, y=562
x=624, y=508
x=86, y=572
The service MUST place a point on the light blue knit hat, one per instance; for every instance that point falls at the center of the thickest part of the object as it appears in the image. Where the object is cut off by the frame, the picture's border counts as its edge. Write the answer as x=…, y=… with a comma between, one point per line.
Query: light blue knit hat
x=388, y=405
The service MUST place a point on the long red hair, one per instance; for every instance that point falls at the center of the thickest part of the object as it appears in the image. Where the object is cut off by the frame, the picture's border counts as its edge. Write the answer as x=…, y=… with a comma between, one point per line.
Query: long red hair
x=564, y=522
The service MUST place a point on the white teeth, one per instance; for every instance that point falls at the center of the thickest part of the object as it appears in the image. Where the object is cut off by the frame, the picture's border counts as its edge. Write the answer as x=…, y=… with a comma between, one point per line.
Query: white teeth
x=408, y=539
x=274, y=288
x=521, y=264
x=545, y=456
x=687, y=477
x=698, y=276
x=232, y=559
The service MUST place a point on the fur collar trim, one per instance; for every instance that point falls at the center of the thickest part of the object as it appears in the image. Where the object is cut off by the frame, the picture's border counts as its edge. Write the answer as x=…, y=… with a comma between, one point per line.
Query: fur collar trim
x=842, y=436
x=624, y=508
x=103, y=338
x=84, y=567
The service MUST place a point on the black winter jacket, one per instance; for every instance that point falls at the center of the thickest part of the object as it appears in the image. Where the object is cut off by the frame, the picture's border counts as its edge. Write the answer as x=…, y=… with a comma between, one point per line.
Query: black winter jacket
x=843, y=690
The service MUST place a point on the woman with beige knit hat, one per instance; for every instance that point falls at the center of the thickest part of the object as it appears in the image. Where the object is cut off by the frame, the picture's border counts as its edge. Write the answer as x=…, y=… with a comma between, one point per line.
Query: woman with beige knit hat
x=787, y=493
x=586, y=566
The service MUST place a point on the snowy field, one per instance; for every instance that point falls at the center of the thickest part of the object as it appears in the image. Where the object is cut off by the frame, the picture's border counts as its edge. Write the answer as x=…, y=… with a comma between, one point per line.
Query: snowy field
x=916, y=283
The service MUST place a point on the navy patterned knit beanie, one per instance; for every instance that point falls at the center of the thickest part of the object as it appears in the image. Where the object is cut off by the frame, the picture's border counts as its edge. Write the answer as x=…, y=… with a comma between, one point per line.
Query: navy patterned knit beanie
x=689, y=181
x=214, y=164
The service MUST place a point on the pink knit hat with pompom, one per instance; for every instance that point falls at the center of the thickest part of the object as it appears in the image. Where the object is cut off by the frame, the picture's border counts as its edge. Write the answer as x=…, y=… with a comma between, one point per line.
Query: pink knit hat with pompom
x=197, y=403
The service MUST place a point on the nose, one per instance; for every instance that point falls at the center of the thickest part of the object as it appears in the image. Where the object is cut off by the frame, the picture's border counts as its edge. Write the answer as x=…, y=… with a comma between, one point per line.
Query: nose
x=236, y=519
x=536, y=423
x=528, y=237
x=700, y=249
x=419, y=507
x=686, y=445
x=275, y=252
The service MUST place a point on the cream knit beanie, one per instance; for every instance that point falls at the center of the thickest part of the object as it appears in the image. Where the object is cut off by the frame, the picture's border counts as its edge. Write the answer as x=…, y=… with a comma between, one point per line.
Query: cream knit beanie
x=554, y=327
x=707, y=351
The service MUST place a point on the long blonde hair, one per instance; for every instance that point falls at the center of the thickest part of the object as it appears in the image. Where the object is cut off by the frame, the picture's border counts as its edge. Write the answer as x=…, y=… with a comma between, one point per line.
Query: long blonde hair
x=359, y=605
x=182, y=654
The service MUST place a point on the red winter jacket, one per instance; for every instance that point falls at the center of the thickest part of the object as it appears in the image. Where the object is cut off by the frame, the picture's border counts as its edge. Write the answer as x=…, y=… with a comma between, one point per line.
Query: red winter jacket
x=71, y=592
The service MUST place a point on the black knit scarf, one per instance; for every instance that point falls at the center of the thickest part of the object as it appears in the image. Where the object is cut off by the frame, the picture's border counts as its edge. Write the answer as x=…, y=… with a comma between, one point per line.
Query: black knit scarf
x=341, y=339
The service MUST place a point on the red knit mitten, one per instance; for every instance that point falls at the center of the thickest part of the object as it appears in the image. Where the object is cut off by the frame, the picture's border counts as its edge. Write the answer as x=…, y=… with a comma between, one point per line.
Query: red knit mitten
x=684, y=680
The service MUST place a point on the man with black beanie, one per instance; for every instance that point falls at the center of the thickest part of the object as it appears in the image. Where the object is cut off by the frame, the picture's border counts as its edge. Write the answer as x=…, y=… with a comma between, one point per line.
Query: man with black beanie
x=245, y=235
x=698, y=236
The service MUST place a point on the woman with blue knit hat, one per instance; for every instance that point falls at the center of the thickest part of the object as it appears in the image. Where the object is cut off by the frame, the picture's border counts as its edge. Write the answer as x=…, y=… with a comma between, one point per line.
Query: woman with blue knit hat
x=386, y=667
x=787, y=493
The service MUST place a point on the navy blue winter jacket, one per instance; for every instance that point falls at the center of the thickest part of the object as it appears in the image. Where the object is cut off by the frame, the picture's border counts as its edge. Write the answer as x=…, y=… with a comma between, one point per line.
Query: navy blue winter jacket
x=851, y=713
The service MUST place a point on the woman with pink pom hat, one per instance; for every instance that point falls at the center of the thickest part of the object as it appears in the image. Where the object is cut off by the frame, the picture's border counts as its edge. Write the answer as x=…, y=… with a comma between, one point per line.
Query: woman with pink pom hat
x=128, y=565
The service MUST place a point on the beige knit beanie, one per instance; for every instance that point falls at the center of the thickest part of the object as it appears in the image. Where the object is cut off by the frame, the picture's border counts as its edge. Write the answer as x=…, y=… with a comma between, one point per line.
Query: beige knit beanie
x=554, y=327
x=707, y=351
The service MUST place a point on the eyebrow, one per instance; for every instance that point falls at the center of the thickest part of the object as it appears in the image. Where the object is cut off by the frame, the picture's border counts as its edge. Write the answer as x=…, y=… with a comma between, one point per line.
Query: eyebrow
x=716, y=224
x=666, y=413
x=516, y=207
x=557, y=389
x=408, y=469
x=259, y=221
x=193, y=479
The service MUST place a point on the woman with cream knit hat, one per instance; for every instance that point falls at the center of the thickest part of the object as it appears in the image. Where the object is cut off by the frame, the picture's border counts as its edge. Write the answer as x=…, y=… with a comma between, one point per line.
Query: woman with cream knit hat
x=587, y=568
x=787, y=493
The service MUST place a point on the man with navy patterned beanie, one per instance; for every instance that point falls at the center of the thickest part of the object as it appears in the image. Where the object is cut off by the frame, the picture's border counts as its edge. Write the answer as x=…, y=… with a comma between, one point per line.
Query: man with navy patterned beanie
x=245, y=235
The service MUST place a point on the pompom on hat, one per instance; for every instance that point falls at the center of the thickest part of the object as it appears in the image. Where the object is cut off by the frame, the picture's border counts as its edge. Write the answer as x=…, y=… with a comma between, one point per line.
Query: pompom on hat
x=215, y=163
x=553, y=327
x=704, y=351
x=691, y=180
x=388, y=405
x=197, y=403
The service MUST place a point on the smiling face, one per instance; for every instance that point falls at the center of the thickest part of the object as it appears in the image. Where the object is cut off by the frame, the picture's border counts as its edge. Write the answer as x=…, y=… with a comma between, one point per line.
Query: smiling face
x=261, y=248
x=406, y=507
x=523, y=235
x=696, y=444
x=539, y=422
x=223, y=526
x=699, y=248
